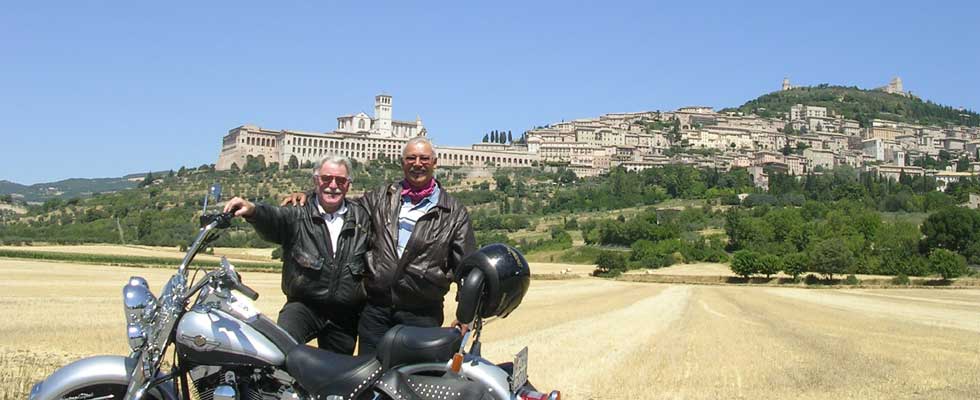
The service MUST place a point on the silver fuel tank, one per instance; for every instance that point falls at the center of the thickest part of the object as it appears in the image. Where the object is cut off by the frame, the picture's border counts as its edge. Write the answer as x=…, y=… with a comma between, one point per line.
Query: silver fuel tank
x=210, y=336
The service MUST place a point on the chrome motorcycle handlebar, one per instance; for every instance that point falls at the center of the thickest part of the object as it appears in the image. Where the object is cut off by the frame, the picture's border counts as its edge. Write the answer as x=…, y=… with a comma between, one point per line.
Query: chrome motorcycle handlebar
x=216, y=221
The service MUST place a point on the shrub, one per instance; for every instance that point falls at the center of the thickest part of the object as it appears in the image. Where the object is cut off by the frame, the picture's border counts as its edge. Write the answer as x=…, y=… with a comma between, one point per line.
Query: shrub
x=811, y=279
x=852, y=280
x=947, y=264
x=901, y=279
x=610, y=264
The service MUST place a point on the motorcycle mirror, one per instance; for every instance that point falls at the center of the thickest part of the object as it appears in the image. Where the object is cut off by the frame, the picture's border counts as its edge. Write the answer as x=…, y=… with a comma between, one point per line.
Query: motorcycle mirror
x=214, y=191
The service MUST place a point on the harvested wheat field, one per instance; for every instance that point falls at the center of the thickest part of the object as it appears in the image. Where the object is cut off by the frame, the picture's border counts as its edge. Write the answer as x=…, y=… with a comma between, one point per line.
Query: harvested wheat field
x=234, y=254
x=595, y=338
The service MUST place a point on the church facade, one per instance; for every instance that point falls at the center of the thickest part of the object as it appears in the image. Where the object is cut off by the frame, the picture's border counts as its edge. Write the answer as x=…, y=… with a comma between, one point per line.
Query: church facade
x=360, y=137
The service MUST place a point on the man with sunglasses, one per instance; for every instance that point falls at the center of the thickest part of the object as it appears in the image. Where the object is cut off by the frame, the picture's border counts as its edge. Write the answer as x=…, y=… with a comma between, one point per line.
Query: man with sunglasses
x=323, y=251
x=421, y=235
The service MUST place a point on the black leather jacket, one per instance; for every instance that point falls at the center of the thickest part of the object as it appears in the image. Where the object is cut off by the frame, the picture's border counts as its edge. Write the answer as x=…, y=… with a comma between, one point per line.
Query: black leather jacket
x=311, y=272
x=420, y=278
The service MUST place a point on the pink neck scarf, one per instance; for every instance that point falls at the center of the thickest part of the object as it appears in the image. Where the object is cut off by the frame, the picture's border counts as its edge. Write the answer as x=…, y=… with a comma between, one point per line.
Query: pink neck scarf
x=416, y=195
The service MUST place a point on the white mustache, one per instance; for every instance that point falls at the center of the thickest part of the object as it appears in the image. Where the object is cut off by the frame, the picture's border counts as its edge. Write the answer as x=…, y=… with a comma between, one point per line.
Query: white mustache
x=332, y=191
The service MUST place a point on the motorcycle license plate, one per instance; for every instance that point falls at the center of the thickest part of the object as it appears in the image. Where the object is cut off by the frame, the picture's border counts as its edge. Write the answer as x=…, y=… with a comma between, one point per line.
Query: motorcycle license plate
x=519, y=377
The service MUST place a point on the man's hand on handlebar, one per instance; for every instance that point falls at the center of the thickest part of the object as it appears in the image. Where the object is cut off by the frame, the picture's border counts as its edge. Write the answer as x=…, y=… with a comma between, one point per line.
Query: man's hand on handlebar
x=241, y=207
x=294, y=199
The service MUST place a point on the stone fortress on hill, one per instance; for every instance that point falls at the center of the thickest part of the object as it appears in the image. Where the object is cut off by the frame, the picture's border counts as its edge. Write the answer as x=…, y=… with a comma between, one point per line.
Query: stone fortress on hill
x=642, y=140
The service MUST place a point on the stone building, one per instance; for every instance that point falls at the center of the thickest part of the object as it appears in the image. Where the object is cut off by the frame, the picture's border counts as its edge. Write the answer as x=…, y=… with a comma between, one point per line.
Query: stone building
x=361, y=138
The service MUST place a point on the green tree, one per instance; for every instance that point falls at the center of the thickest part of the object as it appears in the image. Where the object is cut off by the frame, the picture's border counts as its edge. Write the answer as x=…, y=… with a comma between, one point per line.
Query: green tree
x=898, y=246
x=503, y=182
x=147, y=181
x=293, y=162
x=566, y=176
x=145, y=226
x=796, y=264
x=963, y=164
x=831, y=256
x=745, y=263
x=947, y=264
x=769, y=265
x=735, y=228
x=953, y=228
x=610, y=263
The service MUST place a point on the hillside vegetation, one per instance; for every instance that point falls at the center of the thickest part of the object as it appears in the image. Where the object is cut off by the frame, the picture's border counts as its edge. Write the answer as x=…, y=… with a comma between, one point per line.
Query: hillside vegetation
x=163, y=209
x=861, y=105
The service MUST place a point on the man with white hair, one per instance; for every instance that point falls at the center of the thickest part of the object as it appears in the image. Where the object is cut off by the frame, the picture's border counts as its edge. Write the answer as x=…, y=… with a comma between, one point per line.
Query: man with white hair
x=421, y=234
x=323, y=251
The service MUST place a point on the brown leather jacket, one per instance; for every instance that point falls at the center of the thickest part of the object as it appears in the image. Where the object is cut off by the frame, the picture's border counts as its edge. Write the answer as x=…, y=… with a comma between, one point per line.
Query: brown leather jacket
x=420, y=278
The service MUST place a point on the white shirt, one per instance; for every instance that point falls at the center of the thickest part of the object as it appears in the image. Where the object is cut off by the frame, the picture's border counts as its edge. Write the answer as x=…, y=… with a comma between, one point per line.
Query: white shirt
x=335, y=222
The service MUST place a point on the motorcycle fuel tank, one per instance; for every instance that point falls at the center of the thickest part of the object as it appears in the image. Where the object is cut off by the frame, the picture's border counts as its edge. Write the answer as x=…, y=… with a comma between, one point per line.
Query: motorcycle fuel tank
x=214, y=337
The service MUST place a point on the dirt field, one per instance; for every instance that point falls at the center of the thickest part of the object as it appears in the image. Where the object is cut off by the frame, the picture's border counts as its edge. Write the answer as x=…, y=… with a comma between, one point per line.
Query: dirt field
x=594, y=338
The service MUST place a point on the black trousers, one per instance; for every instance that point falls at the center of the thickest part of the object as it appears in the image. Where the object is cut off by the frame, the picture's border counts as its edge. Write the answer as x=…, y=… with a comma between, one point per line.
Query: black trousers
x=376, y=320
x=334, y=330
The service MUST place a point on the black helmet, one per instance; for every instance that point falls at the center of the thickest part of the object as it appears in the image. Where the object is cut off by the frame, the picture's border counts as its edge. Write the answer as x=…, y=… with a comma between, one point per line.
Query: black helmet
x=494, y=280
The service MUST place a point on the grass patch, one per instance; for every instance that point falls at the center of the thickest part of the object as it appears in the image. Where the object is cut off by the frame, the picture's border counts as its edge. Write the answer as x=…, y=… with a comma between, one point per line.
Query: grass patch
x=580, y=255
x=127, y=260
x=912, y=218
x=575, y=255
x=680, y=204
x=548, y=256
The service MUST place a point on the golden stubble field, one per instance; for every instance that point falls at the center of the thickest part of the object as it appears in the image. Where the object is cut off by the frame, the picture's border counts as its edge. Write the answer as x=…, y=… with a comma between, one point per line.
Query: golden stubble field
x=594, y=338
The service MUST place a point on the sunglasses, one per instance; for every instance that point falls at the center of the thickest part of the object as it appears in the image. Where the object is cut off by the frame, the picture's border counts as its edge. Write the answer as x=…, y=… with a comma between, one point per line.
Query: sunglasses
x=325, y=179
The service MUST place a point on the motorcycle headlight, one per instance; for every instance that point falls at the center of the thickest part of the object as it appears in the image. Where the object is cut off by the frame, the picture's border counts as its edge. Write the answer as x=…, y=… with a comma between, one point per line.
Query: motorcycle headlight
x=138, y=304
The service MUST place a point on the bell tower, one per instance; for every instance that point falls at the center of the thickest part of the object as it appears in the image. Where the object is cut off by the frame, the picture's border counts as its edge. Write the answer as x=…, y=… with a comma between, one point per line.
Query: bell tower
x=382, y=115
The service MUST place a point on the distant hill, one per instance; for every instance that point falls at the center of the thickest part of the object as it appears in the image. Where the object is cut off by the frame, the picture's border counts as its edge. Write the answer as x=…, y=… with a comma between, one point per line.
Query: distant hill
x=861, y=105
x=68, y=188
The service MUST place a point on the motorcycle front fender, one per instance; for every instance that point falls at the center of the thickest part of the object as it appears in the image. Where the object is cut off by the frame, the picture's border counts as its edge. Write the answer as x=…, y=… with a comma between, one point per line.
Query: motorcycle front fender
x=97, y=370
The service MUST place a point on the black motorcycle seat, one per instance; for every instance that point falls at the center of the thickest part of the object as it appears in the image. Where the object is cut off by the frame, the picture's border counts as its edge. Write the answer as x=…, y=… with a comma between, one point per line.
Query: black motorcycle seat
x=324, y=373
x=404, y=344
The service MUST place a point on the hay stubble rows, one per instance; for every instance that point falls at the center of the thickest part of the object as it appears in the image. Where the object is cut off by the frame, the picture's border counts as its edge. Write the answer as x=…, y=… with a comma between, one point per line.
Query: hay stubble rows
x=595, y=338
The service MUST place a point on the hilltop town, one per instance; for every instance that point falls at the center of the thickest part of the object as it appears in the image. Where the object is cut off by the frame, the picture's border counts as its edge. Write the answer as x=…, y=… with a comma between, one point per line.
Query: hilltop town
x=804, y=139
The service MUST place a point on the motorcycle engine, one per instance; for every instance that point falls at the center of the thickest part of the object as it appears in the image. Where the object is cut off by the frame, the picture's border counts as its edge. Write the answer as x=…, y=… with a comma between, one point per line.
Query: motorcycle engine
x=220, y=383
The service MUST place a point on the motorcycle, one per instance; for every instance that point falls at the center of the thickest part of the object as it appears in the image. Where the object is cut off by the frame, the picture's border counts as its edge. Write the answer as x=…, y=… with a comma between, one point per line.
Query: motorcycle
x=222, y=347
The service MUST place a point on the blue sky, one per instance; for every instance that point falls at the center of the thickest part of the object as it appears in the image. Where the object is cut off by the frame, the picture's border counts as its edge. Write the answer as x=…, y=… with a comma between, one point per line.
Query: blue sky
x=102, y=89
